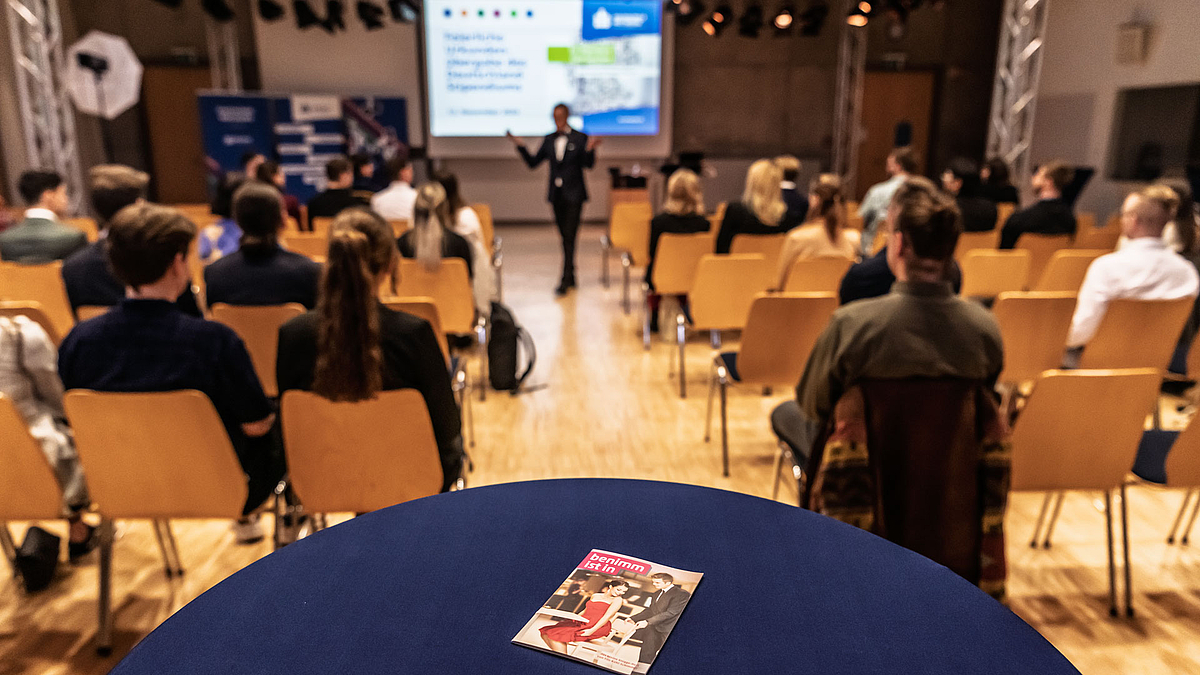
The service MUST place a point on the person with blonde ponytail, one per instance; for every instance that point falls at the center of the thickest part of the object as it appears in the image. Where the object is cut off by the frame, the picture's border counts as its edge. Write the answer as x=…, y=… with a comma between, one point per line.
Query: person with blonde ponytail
x=352, y=347
x=761, y=211
x=431, y=238
x=824, y=235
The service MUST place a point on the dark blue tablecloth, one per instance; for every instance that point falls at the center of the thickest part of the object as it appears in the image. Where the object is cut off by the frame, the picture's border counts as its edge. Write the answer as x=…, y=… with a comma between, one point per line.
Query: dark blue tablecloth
x=441, y=585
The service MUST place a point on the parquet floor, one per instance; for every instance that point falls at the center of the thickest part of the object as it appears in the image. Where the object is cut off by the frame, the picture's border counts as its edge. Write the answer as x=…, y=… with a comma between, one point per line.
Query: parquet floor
x=602, y=406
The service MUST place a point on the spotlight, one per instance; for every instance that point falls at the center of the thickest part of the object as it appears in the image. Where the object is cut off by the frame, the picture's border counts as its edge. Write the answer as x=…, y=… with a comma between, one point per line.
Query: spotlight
x=715, y=23
x=404, y=11
x=813, y=18
x=173, y=4
x=333, y=16
x=370, y=14
x=864, y=7
x=219, y=10
x=784, y=19
x=752, y=21
x=686, y=11
x=270, y=10
x=857, y=18
x=305, y=16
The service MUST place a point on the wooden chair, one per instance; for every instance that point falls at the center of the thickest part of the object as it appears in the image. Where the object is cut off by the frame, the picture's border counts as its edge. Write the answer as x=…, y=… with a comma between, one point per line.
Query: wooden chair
x=491, y=242
x=33, y=311
x=422, y=307
x=853, y=220
x=85, y=312
x=321, y=225
x=1084, y=220
x=675, y=264
x=628, y=232
x=973, y=241
x=1033, y=327
x=719, y=211
x=1080, y=430
x=450, y=289
x=361, y=456
x=155, y=456
x=86, y=225
x=1003, y=211
x=714, y=223
x=28, y=489
x=42, y=284
x=816, y=275
x=1066, y=270
x=780, y=332
x=399, y=226
x=1103, y=238
x=987, y=274
x=769, y=246
x=309, y=244
x=1137, y=334
x=1183, y=471
x=258, y=326
x=724, y=288
x=1041, y=248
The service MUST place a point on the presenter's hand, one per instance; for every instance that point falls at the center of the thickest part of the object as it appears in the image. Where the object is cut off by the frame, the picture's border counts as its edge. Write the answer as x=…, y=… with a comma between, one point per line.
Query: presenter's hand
x=515, y=141
x=593, y=143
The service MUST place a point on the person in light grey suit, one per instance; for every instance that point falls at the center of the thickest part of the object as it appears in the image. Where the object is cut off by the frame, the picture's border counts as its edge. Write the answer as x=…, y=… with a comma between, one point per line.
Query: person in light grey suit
x=40, y=237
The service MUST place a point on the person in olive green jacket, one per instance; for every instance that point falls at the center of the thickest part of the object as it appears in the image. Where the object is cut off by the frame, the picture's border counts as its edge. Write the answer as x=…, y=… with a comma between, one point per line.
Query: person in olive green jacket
x=40, y=237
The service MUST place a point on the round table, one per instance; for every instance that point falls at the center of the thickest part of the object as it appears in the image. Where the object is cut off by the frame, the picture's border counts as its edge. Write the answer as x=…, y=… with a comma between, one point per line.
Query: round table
x=441, y=585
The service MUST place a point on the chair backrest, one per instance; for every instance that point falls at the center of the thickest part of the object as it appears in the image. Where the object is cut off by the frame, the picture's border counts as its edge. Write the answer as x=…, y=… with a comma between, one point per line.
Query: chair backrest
x=1137, y=334
x=779, y=335
x=724, y=289
x=28, y=490
x=313, y=245
x=853, y=220
x=486, y=224
x=629, y=229
x=1066, y=270
x=424, y=308
x=816, y=275
x=1041, y=248
x=714, y=222
x=156, y=455
x=987, y=274
x=768, y=245
x=85, y=225
x=1104, y=238
x=85, y=312
x=971, y=241
x=359, y=456
x=1033, y=327
x=1080, y=429
x=321, y=225
x=676, y=260
x=719, y=211
x=33, y=311
x=1003, y=211
x=258, y=326
x=399, y=226
x=448, y=285
x=1085, y=220
x=42, y=284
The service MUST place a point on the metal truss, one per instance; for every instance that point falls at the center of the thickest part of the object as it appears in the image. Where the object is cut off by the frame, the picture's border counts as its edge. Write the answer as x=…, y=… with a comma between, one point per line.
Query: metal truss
x=847, y=114
x=224, y=58
x=1014, y=94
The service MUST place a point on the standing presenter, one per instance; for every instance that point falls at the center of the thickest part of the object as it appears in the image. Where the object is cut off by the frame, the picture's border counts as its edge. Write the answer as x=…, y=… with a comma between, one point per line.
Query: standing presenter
x=569, y=152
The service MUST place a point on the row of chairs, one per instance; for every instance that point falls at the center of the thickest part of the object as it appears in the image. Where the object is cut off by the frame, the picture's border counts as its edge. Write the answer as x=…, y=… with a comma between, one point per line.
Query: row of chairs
x=988, y=273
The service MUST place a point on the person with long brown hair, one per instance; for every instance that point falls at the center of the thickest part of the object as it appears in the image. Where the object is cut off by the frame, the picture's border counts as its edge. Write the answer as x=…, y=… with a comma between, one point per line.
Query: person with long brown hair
x=352, y=347
x=825, y=234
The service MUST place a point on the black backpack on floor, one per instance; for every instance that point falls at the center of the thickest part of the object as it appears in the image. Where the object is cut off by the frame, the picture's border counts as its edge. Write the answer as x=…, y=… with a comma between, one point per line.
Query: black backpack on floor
x=505, y=339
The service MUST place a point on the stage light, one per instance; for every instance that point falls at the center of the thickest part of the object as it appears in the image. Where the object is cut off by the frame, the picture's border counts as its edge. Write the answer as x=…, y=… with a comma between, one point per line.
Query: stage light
x=784, y=19
x=857, y=18
x=864, y=7
x=305, y=16
x=403, y=11
x=333, y=16
x=721, y=16
x=370, y=14
x=219, y=10
x=752, y=21
x=813, y=18
x=270, y=10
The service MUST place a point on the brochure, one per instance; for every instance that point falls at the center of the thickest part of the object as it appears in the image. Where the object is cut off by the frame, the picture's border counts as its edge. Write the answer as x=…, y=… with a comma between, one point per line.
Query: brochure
x=613, y=611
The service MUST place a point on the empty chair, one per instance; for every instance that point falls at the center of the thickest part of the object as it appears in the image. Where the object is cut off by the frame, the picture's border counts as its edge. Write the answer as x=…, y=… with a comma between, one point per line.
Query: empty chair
x=28, y=490
x=675, y=265
x=310, y=244
x=1104, y=238
x=779, y=334
x=1066, y=270
x=185, y=468
x=33, y=310
x=971, y=241
x=1080, y=430
x=816, y=275
x=42, y=284
x=486, y=225
x=1034, y=329
x=85, y=225
x=628, y=232
x=769, y=246
x=1137, y=334
x=1041, y=248
x=258, y=326
x=361, y=456
x=987, y=274
x=320, y=225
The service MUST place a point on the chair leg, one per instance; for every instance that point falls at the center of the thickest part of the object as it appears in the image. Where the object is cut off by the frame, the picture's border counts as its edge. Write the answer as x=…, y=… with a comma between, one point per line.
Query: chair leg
x=469, y=412
x=1053, y=519
x=1125, y=546
x=481, y=336
x=645, y=320
x=681, y=338
x=170, y=537
x=1187, y=530
x=712, y=391
x=1037, y=528
x=604, y=246
x=168, y=565
x=626, y=263
x=1187, y=496
x=105, y=629
x=724, y=384
x=778, y=470
x=9, y=549
x=714, y=338
x=1112, y=571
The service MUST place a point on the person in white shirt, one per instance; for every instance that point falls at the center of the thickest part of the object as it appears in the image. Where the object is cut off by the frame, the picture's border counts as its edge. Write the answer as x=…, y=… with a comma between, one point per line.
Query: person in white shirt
x=396, y=201
x=466, y=224
x=1145, y=268
x=901, y=163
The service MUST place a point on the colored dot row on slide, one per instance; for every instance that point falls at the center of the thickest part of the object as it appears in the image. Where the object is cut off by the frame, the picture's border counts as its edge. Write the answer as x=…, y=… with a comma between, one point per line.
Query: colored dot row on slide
x=482, y=13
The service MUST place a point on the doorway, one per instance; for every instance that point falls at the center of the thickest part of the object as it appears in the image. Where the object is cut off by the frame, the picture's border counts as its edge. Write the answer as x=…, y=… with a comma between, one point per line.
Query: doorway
x=897, y=109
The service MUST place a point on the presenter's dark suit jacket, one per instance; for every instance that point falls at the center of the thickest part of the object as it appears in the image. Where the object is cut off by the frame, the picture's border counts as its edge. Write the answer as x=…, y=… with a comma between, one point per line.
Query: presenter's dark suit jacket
x=662, y=614
x=38, y=240
x=575, y=159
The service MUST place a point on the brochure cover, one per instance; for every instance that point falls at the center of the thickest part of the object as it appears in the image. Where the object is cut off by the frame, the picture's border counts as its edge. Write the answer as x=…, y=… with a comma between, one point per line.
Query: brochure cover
x=613, y=611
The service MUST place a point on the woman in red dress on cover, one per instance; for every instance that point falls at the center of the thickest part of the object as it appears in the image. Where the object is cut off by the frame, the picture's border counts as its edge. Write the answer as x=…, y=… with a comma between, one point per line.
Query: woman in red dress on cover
x=599, y=611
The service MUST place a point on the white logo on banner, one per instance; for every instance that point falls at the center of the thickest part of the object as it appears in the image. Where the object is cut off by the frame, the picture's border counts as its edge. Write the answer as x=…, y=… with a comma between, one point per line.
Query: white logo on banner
x=602, y=20
x=306, y=108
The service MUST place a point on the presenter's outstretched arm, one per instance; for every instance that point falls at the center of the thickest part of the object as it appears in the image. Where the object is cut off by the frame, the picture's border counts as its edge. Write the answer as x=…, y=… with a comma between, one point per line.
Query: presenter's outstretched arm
x=542, y=155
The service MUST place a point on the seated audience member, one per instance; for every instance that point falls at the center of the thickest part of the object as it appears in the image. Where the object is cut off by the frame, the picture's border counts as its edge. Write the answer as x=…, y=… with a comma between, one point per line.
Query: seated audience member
x=466, y=224
x=430, y=238
x=40, y=237
x=146, y=344
x=1145, y=268
x=29, y=376
x=338, y=195
x=797, y=202
x=251, y=161
x=825, y=236
x=1182, y=235
x=1051, y=214
x=995, y=183
x=901, y=163
x=961, y=181
x=761, y=210
x=271, y=173
x=352, y=346
x=221, y=239
x=86, y=274
x=364, y=172
x=683, y=213
x=919, y=329
x=396, y=201
x=260, y=272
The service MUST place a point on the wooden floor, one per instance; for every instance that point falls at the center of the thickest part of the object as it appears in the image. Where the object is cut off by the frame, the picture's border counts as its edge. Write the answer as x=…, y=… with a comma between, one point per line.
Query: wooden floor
x=604, y=407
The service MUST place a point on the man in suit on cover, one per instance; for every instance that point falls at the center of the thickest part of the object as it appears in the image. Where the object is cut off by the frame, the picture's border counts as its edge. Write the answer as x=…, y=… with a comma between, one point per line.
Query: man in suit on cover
x=655, y=622
x=569, y=153
x=40, y=237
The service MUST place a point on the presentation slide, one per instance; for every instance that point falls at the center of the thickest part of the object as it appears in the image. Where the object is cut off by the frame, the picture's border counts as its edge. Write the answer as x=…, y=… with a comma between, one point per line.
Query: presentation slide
x=503, y=65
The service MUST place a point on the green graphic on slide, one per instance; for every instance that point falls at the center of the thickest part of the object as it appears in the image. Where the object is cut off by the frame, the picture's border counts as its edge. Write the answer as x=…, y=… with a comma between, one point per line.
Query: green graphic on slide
x=594, y=55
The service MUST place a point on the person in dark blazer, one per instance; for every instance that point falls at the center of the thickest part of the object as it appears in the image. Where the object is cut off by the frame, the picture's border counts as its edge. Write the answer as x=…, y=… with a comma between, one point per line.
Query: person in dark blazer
x=569, y=152
x=338, y=194
x=260, y=272
x=1051, y=214
x=655, y=622
x=797, y=201
x=40, y=237
x=761, y=211
x=961, y=180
